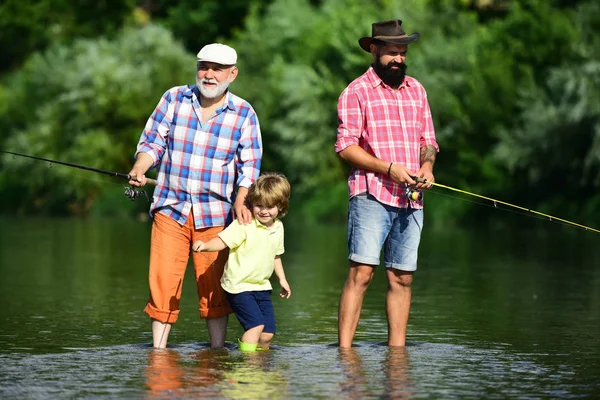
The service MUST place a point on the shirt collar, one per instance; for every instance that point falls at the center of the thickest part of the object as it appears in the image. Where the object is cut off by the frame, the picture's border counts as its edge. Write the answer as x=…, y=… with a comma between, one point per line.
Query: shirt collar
x=277, y=225
x=376, y=80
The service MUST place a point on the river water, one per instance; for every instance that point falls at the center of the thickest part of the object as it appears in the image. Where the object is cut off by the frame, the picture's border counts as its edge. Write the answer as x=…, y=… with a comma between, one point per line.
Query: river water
x=496, y=313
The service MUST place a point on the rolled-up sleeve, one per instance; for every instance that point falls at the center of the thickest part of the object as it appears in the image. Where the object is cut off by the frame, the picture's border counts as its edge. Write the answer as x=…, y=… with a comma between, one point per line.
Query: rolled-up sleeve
x=153, y=140
x=427, y=130
x=249, y=152
x=350, y=120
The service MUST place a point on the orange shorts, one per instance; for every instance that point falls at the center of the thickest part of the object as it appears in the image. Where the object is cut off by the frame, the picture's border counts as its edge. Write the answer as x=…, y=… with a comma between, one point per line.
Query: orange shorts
x=169, y=254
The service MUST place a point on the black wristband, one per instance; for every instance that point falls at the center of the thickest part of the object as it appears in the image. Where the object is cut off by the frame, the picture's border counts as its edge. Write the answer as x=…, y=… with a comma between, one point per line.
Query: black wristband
x=390, y=168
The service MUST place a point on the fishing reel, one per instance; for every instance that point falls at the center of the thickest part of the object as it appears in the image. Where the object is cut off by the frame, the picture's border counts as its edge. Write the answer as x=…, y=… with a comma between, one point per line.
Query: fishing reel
x=412, y=194
x=134, y=194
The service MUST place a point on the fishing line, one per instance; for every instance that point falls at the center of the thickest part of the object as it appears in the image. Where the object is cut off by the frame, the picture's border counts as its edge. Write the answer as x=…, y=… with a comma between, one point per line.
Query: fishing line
x=496, y=207
x=496, y=202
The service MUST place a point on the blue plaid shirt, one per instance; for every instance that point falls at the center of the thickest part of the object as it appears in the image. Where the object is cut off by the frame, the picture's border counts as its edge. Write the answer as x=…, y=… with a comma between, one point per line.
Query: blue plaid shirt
x=200, y=164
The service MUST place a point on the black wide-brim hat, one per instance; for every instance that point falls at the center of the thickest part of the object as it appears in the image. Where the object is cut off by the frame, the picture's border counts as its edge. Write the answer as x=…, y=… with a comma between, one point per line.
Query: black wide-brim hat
x=389, y=32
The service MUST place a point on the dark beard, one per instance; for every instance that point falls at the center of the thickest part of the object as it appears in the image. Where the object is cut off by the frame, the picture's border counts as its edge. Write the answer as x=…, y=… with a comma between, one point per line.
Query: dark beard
x=391, y=77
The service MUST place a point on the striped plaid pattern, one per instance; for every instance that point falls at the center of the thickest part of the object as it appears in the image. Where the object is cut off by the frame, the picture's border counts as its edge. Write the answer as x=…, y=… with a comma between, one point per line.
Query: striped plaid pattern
x=199, y=164
x=390, y=124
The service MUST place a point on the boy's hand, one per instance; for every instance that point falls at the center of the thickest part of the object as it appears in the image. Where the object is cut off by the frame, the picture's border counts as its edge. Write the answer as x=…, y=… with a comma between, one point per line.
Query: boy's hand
x=198, y=245
x=285, y=289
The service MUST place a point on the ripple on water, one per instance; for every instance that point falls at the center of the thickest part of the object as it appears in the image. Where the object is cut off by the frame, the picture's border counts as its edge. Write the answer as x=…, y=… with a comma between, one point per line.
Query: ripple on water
x=368, y=370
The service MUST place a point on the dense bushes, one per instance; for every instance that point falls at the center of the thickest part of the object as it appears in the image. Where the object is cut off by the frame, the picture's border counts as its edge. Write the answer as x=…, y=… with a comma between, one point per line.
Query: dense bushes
x=514, y=94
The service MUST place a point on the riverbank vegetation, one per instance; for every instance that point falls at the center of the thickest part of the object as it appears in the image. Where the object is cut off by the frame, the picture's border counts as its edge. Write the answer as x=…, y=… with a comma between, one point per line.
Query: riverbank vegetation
x=514, y=88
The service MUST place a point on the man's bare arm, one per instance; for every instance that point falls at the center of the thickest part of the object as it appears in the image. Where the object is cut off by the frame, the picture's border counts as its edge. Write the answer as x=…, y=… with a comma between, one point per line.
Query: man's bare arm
x=428, y=154
x=359, y=158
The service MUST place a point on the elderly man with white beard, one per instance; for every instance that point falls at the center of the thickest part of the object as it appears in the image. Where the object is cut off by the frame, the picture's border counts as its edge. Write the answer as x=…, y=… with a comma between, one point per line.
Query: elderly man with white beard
x=206, y=145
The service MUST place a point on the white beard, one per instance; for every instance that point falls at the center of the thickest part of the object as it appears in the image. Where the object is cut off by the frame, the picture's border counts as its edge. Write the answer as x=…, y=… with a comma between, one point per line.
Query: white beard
x=211, y=93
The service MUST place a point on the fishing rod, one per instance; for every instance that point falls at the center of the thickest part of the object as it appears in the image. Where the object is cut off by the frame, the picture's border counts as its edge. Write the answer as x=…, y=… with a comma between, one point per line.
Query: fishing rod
x=129, y=191
x=417, y=195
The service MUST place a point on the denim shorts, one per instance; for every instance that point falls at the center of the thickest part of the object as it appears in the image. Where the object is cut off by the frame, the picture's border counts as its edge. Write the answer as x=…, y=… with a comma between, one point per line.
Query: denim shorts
x=253, y=309
x=373, y=225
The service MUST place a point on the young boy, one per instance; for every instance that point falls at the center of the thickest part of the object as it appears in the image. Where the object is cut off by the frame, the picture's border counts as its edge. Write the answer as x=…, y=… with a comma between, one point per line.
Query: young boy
x=254, y=253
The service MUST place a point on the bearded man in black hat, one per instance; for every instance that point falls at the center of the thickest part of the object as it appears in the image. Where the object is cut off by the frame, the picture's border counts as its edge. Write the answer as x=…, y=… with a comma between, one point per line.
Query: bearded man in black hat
x=386, y=134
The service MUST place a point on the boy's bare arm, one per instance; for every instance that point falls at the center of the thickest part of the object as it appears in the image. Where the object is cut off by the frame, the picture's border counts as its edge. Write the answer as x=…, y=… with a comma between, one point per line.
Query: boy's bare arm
x=285, y=287
x=215, y=244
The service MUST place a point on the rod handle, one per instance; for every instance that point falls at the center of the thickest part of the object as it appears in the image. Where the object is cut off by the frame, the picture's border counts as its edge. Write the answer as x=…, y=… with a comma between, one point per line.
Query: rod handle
x=418, y=180
x=149, y=181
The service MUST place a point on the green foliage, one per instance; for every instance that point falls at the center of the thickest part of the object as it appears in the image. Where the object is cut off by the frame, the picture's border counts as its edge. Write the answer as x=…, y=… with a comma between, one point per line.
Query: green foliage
x=554, y=147
x=91, y=102
x=471, y=72
x=198, y=23
x=447, y=60
x=477, y=71
x=513, y=88
x=295, y=60
x=27, y=26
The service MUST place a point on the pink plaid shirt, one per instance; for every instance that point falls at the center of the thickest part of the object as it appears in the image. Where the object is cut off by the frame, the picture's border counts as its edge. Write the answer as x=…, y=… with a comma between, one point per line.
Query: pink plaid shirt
x=390, y=124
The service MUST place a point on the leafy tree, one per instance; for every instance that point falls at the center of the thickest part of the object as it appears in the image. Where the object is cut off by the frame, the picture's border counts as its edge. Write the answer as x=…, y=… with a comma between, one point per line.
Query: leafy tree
x=92, y=100
x=554, y=146
x=473, y=83
x=505, y=80
x=197, y=23
x=27, y=26
x=295, y=60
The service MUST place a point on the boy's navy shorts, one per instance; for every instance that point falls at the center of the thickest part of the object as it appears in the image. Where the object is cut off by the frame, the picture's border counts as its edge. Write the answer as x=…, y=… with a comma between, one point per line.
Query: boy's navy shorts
x=253, y=309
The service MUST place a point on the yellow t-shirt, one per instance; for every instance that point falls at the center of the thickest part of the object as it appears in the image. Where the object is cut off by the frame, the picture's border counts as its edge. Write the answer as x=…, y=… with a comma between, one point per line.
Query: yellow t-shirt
x=252, y=251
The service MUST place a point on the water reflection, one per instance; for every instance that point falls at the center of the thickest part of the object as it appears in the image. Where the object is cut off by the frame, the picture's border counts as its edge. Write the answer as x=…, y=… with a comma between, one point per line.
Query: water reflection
x=207, y=368
x=397, y=372
x=164, y=374
x=362, y=373
x=214, y=373
x=491, y=321
x=355, y=383
x=173, y=374
x=254, y=376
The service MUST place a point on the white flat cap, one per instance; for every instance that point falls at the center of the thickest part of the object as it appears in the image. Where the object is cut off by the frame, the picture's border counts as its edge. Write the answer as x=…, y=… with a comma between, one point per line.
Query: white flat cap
x=218, y=53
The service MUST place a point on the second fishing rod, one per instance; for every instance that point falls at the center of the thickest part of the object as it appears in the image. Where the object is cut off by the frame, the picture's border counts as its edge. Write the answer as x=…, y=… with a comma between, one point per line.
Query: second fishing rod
x=417, y=195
